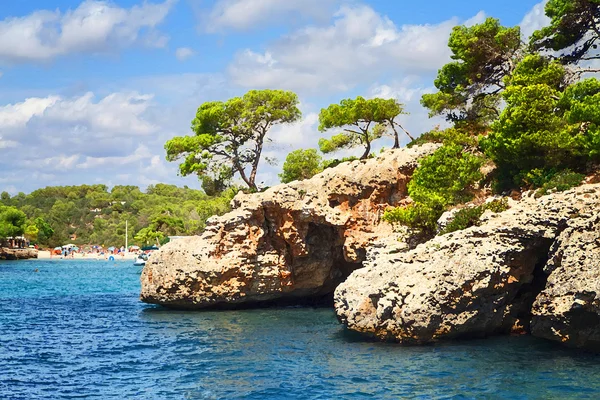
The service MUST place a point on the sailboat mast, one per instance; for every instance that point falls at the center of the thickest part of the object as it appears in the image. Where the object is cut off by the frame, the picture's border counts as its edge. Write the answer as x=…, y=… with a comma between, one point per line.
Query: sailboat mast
x=126, y=247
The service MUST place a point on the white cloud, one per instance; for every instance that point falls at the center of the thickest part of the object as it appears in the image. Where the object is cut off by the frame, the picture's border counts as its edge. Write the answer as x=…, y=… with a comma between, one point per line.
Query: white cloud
x=303, y=133
x=142, y=152
x=359, y=47
x=59, y=163
x=534, y=20
x=7, y=144
x=183, y=53
x=54, y=133
x=246, y=14
x=17, y=115
x=93, y=27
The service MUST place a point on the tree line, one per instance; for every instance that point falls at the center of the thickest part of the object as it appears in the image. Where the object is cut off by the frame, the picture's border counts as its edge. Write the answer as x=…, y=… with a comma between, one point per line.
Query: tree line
x=93, y=214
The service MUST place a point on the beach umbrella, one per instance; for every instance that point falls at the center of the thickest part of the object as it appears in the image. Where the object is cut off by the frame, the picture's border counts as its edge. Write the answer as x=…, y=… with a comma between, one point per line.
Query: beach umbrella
x=58, y=248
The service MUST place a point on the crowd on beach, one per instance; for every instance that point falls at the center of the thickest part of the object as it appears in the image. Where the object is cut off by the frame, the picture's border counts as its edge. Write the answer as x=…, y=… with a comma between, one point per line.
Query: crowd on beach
x=91, y=252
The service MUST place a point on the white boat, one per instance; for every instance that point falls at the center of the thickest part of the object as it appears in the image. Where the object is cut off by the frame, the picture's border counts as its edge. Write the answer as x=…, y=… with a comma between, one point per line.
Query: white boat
x=140, y=261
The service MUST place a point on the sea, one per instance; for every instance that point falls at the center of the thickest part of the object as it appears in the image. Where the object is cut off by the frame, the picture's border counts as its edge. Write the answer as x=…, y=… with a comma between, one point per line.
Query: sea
x=72, y=329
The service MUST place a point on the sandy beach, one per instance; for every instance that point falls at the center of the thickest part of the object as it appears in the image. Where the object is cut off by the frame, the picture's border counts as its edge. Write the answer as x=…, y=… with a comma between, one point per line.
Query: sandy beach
x=45, y=255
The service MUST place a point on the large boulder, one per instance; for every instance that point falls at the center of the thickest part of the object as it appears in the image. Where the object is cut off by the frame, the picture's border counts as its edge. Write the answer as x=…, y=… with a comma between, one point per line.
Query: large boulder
x=475, y=282
x=568, y=309
x=293, y=242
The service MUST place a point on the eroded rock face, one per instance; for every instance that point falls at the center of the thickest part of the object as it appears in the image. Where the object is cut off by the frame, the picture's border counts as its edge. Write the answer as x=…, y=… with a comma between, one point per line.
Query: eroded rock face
x=475, y=282
x=294, y=241
x=568, y=309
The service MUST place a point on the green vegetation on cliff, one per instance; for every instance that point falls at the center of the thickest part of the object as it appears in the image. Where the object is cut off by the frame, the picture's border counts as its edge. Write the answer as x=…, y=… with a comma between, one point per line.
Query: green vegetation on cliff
x=530, y=115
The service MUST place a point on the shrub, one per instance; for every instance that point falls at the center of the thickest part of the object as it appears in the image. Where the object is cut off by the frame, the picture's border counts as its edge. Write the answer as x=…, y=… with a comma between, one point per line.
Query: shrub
x=563, y=180
x=446, y=136
x=443, y=178
x=337, y=161
x=301, y=164
x=470, y=216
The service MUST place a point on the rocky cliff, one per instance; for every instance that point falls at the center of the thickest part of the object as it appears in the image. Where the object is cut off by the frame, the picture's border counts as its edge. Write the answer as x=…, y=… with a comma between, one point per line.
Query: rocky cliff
x=294, y=242
x=536, y=264
x=533, y=268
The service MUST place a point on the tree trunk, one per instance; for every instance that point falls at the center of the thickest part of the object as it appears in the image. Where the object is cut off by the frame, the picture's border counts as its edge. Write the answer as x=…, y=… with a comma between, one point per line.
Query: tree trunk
x=396, y=141
x=367, y=151
x=257, y=155
x=249, y=182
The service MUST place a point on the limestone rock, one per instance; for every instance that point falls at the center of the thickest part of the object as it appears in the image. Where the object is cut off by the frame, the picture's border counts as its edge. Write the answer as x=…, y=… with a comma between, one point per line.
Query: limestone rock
x=293, y=241
x=17, y=254
x=568, y=309
x=474, y=282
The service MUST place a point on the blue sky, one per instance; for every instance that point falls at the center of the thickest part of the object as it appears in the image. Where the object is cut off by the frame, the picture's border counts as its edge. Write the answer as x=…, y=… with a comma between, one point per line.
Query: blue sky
x=91, y=90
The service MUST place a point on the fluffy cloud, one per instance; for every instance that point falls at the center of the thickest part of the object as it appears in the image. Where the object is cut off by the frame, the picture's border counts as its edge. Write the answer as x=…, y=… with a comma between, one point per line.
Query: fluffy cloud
x=93, y=27
x=245, y=14
x=183, y=53
x=534, y=20
x=360, y=46
x=55, y=140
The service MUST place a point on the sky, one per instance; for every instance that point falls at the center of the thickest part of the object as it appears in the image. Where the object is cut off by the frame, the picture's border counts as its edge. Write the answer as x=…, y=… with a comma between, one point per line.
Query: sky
x=91, y=90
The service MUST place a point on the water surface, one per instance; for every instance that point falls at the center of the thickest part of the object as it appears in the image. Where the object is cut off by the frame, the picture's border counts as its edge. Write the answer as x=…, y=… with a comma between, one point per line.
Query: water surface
x=76, y=329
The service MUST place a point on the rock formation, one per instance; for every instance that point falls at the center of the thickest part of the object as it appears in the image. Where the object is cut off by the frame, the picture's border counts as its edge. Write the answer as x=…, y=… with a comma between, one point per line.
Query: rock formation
x=17, y=254
x=568, y=309
x=484, y=280
x=292, y=242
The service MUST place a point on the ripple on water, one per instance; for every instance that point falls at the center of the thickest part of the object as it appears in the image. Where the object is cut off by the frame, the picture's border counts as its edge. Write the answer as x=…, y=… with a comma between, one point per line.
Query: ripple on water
x=77, y=330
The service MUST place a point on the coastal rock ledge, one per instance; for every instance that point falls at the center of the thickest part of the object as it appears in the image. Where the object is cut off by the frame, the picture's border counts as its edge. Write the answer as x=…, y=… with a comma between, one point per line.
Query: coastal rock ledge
x=17, y=254
x=293, y=242
x=533, y=268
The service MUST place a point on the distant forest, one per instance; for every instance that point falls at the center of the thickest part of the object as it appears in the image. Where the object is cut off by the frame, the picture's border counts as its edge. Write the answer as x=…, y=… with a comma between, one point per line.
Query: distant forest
x=95, y=215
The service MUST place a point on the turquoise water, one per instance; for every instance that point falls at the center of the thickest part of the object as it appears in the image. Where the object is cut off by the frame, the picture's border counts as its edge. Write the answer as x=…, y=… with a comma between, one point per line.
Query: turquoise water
x=77, y=330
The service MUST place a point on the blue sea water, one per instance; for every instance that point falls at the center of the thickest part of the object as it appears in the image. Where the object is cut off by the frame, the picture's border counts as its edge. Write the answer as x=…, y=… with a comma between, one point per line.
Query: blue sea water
x=77, y=330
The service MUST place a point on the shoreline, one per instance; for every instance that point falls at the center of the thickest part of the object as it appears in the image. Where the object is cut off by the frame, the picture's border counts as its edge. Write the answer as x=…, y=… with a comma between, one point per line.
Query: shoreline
x=46, y=255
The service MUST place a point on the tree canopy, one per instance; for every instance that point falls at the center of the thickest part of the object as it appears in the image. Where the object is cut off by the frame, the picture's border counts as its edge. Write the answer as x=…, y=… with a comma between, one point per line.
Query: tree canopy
x=468, y=87
x=574, y=30
x=301, y=164
x=229, y=136
x=12, y=222
x=361, y=121
x=546, y=124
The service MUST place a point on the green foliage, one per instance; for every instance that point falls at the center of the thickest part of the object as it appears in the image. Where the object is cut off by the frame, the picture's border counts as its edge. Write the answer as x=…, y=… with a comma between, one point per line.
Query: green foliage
x=418, y=216
x=446, y=136
x=469, y=216
x=581, y=103
x=337, y=161
x=301, y=164
x=442, y=179
x=12, y=222
x=96, y=215
x=149, y=236
x=362, y=121
x=468, y=87
x=574, y=30
x=544, y=126
x=559, y=182
x=232, y=134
